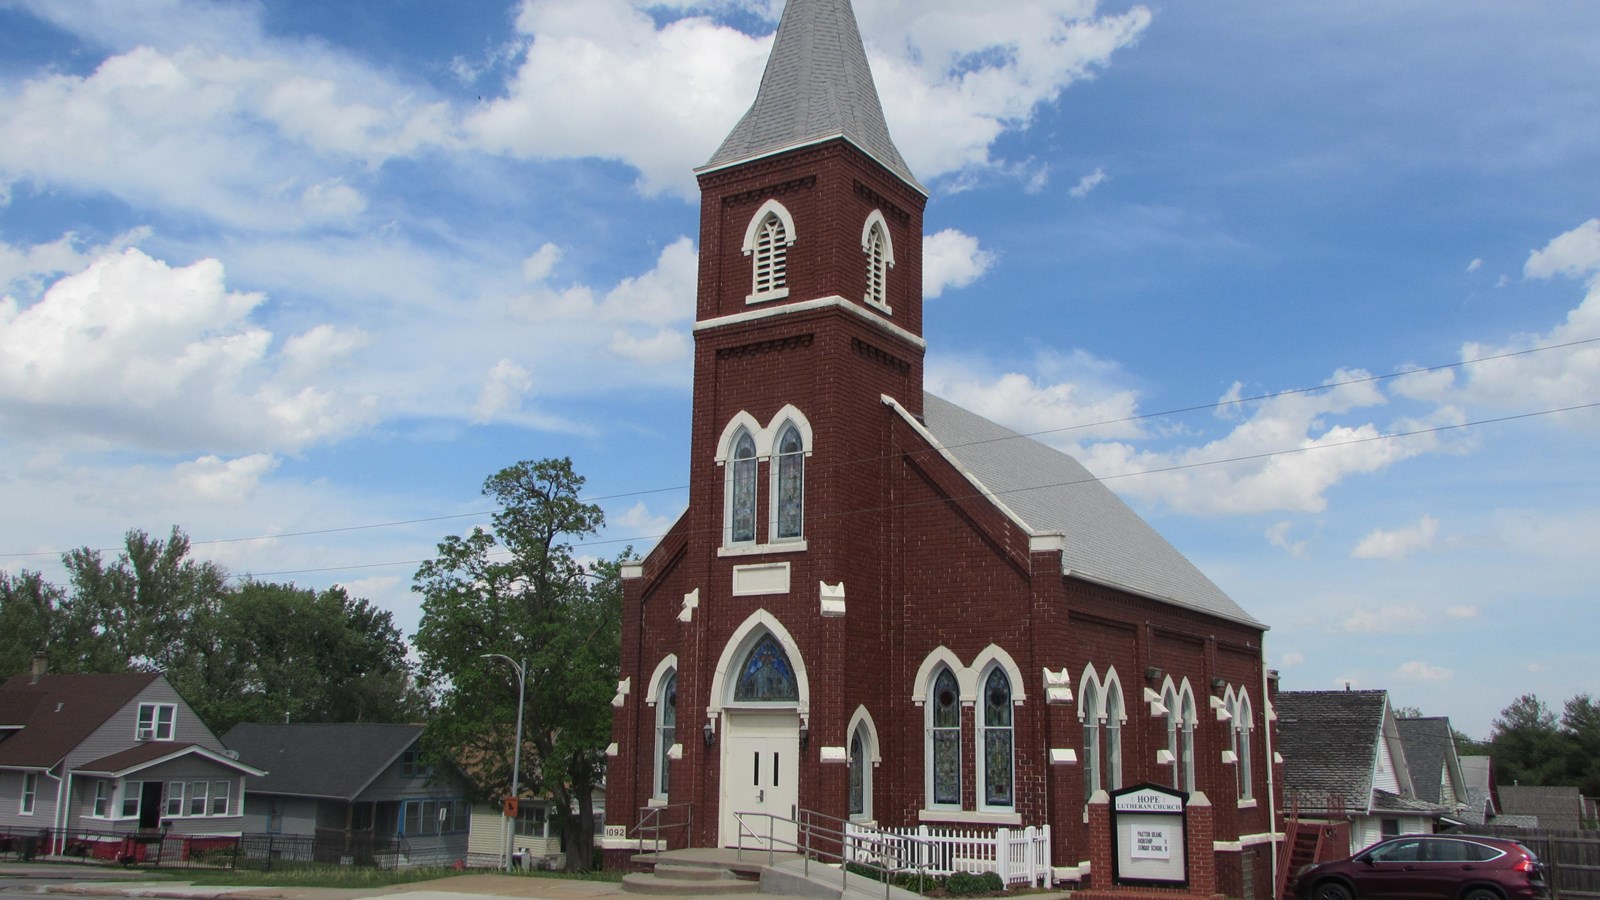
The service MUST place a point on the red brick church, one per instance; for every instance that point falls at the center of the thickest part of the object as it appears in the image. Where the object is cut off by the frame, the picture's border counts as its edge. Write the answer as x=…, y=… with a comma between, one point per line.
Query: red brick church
x=879, y=606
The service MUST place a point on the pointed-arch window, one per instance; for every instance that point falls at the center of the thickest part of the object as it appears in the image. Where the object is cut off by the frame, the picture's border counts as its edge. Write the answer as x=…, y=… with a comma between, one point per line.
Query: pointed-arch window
x=858, y=775
x=997, y=741
x=1188, y=721
x=666, y=730
x=1169, y=699
x=767, y=675
x=1089, y=709
x=879, y=250
x=944, y=739
x=788, y=501
x=742, y=491
x=1114, y=717
x=1242, y=726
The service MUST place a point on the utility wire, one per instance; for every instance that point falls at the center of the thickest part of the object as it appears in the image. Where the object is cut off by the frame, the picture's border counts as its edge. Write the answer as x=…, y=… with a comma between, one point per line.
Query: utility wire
x=874, y=459
x=1178, y=467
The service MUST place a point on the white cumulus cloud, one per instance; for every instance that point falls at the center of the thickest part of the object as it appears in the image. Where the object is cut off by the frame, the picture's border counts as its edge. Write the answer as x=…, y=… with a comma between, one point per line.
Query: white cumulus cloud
x=1088, y=183
x=1398, y=544
x=952, y=259
x=1421, y=671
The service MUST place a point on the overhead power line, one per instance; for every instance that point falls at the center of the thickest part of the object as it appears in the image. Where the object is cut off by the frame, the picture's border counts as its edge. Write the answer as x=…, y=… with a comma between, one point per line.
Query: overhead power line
x=1238, y=401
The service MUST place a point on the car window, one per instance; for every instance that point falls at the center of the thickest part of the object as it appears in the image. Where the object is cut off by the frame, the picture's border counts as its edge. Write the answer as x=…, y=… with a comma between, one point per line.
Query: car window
x=1482, y=852
x=1397, y=851
x=1452, y=851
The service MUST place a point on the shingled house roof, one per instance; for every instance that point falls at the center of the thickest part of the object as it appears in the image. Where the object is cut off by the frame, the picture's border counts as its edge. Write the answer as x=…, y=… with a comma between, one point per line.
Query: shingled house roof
x=1477, y=774
x=1555, y=807
x=1430, y=750
x=58, y=712
x=1049, y=492
x=817, y=87
x=1329, y=741
x=333, y=761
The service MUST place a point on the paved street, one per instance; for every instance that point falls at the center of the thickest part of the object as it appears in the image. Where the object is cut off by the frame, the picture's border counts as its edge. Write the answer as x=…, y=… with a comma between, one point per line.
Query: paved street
x=16, y=881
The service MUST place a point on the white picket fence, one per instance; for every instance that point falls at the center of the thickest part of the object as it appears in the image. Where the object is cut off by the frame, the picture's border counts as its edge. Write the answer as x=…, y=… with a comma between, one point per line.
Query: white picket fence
x=1018, y=856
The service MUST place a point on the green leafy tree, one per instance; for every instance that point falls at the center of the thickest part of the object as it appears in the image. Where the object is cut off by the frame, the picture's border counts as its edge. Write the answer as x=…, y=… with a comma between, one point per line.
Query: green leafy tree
x=277, y=652
x=1580, y=720
x=148, y=609
x=1527, y=746
x=520, y=592
x=28, y=612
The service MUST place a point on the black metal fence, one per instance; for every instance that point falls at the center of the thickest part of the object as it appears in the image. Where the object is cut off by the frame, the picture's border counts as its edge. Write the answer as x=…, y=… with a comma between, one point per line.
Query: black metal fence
x=165, y=850
x=1571, y=858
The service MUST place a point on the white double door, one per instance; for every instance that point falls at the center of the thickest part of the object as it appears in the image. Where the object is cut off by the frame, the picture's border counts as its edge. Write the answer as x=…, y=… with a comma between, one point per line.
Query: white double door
x=760, y=774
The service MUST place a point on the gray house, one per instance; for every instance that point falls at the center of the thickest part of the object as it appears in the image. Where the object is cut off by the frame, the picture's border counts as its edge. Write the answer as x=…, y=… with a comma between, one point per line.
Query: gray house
x=361, y=791
x=1343, y=759
x=99, y=760
x=1436, y=773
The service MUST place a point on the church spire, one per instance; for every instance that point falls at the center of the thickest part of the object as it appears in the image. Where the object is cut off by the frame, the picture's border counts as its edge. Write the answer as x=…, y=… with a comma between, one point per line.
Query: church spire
x=817, y=86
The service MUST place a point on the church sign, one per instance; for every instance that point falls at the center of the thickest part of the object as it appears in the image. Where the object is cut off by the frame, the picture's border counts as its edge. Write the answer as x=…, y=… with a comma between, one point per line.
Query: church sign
x=1148, y=832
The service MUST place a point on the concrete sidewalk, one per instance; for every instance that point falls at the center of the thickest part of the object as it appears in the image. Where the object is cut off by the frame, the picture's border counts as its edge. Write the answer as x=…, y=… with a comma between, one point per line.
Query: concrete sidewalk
x=76, y=880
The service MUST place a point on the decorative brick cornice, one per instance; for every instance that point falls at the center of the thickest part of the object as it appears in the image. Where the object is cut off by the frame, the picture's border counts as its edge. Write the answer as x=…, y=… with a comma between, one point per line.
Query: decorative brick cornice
x=879, y=355
x=884, y=203
x=770, y=190
x=775, y=345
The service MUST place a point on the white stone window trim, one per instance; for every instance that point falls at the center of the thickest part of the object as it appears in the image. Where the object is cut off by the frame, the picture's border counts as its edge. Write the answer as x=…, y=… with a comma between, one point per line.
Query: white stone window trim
x=658, y=683
x=861, y=723
x=968, y=817
x=752, y=235
x=156, y=730
x=739, y=645
x=766, y=441
x=877, y=268
x=962, y=704
x=1241, y=728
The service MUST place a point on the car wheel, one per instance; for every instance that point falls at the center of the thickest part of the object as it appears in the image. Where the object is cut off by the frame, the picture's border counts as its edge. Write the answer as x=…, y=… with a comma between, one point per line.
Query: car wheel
x=1481, y=894
x=1333, y=890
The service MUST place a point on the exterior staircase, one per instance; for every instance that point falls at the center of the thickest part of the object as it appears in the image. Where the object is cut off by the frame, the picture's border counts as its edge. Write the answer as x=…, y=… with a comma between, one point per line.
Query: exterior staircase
x=1308, y=842
x=712, y=872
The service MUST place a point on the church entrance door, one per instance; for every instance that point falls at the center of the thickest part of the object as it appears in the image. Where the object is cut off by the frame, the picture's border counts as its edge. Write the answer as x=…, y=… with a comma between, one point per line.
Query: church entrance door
x=760, y=778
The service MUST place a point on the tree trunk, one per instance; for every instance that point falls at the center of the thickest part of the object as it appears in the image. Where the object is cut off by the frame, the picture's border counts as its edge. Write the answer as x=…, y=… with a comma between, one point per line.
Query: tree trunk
x=580, y=833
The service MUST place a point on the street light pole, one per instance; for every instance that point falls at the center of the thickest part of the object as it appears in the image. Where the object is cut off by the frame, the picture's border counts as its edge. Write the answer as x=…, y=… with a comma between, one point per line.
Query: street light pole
x=516, y=753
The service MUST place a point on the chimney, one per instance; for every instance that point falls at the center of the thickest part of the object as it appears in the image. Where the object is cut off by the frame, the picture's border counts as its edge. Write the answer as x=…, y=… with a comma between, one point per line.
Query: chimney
x=41, y=665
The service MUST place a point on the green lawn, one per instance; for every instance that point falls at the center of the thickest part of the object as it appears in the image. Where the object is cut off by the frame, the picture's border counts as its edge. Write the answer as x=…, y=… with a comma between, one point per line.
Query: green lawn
x=352, y=876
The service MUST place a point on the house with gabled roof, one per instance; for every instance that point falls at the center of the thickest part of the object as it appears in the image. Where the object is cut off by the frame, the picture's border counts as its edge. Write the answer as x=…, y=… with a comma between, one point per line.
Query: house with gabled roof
x=1343, y=757
x=1435, y=766
x=1482, y=805
x=880, y=607
x=90, y=758
x=1558, y=808
x=359, y=790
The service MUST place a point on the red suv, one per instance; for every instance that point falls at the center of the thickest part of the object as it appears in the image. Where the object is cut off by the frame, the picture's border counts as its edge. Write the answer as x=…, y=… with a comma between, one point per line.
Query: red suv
x=1429, y=867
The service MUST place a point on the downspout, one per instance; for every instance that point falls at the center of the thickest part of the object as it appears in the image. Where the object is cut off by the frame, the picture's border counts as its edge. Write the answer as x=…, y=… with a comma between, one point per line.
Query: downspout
x=55, y=814
x=1271, y=766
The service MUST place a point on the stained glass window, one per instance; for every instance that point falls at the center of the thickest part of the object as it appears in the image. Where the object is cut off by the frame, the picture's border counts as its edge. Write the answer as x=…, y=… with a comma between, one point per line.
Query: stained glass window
x=666, y=729
x=766, y=674
x=1090, y=709
x=997, y=740
x=946, y=738
x=790, y=500
x=742, y=484
x=1113, y=736
x=858, y=775
x=1188, y=740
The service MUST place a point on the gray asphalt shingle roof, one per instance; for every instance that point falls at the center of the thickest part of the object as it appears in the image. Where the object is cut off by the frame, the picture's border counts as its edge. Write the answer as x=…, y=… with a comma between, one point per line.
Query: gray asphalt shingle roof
x=1428, y=742
x=319, y=760
x=1480, y=797
x=817, y=86
x=1556, y=807
x=1329, y=740
x=1050, y=492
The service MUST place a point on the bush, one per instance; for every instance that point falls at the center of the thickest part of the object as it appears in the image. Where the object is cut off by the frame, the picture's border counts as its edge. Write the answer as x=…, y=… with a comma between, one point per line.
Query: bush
x=966, y=884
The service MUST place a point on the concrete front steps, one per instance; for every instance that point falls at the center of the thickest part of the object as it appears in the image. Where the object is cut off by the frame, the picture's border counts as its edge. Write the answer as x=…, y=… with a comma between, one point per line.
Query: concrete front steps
x=704, y=872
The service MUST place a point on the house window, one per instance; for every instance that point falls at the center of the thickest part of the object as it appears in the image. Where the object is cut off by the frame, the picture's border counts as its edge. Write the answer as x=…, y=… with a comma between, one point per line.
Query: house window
x=944, y=740
x=430, y=817
x=155, y=722
x=767, y=675
x=130, y=798
x=996, y=742
x=221, y=795
x=742, y=491
x=30, y=793
x=533, y=820
x=174, y=799
x=767, y=242
x=788, y=496
x=666, y=730
x=199, y=798
x=412, y=766
x=875, y=243
x=102, y=799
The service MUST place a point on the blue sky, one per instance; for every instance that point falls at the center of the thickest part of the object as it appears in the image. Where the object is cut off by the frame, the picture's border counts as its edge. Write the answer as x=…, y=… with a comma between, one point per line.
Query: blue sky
x=283, y=267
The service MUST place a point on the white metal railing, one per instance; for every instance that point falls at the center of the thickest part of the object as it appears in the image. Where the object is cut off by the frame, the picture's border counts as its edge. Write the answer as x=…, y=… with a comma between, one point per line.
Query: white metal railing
x=1018, y=856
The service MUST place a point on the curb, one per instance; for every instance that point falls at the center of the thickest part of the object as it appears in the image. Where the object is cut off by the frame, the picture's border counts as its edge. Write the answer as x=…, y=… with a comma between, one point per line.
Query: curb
x=111, y=890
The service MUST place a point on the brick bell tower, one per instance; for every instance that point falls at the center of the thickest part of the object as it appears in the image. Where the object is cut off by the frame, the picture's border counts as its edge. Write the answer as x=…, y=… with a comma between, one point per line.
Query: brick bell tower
x=759, y=625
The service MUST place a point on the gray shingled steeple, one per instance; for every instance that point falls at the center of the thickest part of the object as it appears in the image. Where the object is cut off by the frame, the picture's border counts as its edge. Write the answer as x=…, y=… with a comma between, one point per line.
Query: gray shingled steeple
x=817, y=86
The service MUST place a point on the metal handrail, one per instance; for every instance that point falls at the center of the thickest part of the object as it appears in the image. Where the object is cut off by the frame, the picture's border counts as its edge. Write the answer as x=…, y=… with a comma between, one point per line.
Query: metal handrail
x=650, y=820
x=807, y=828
